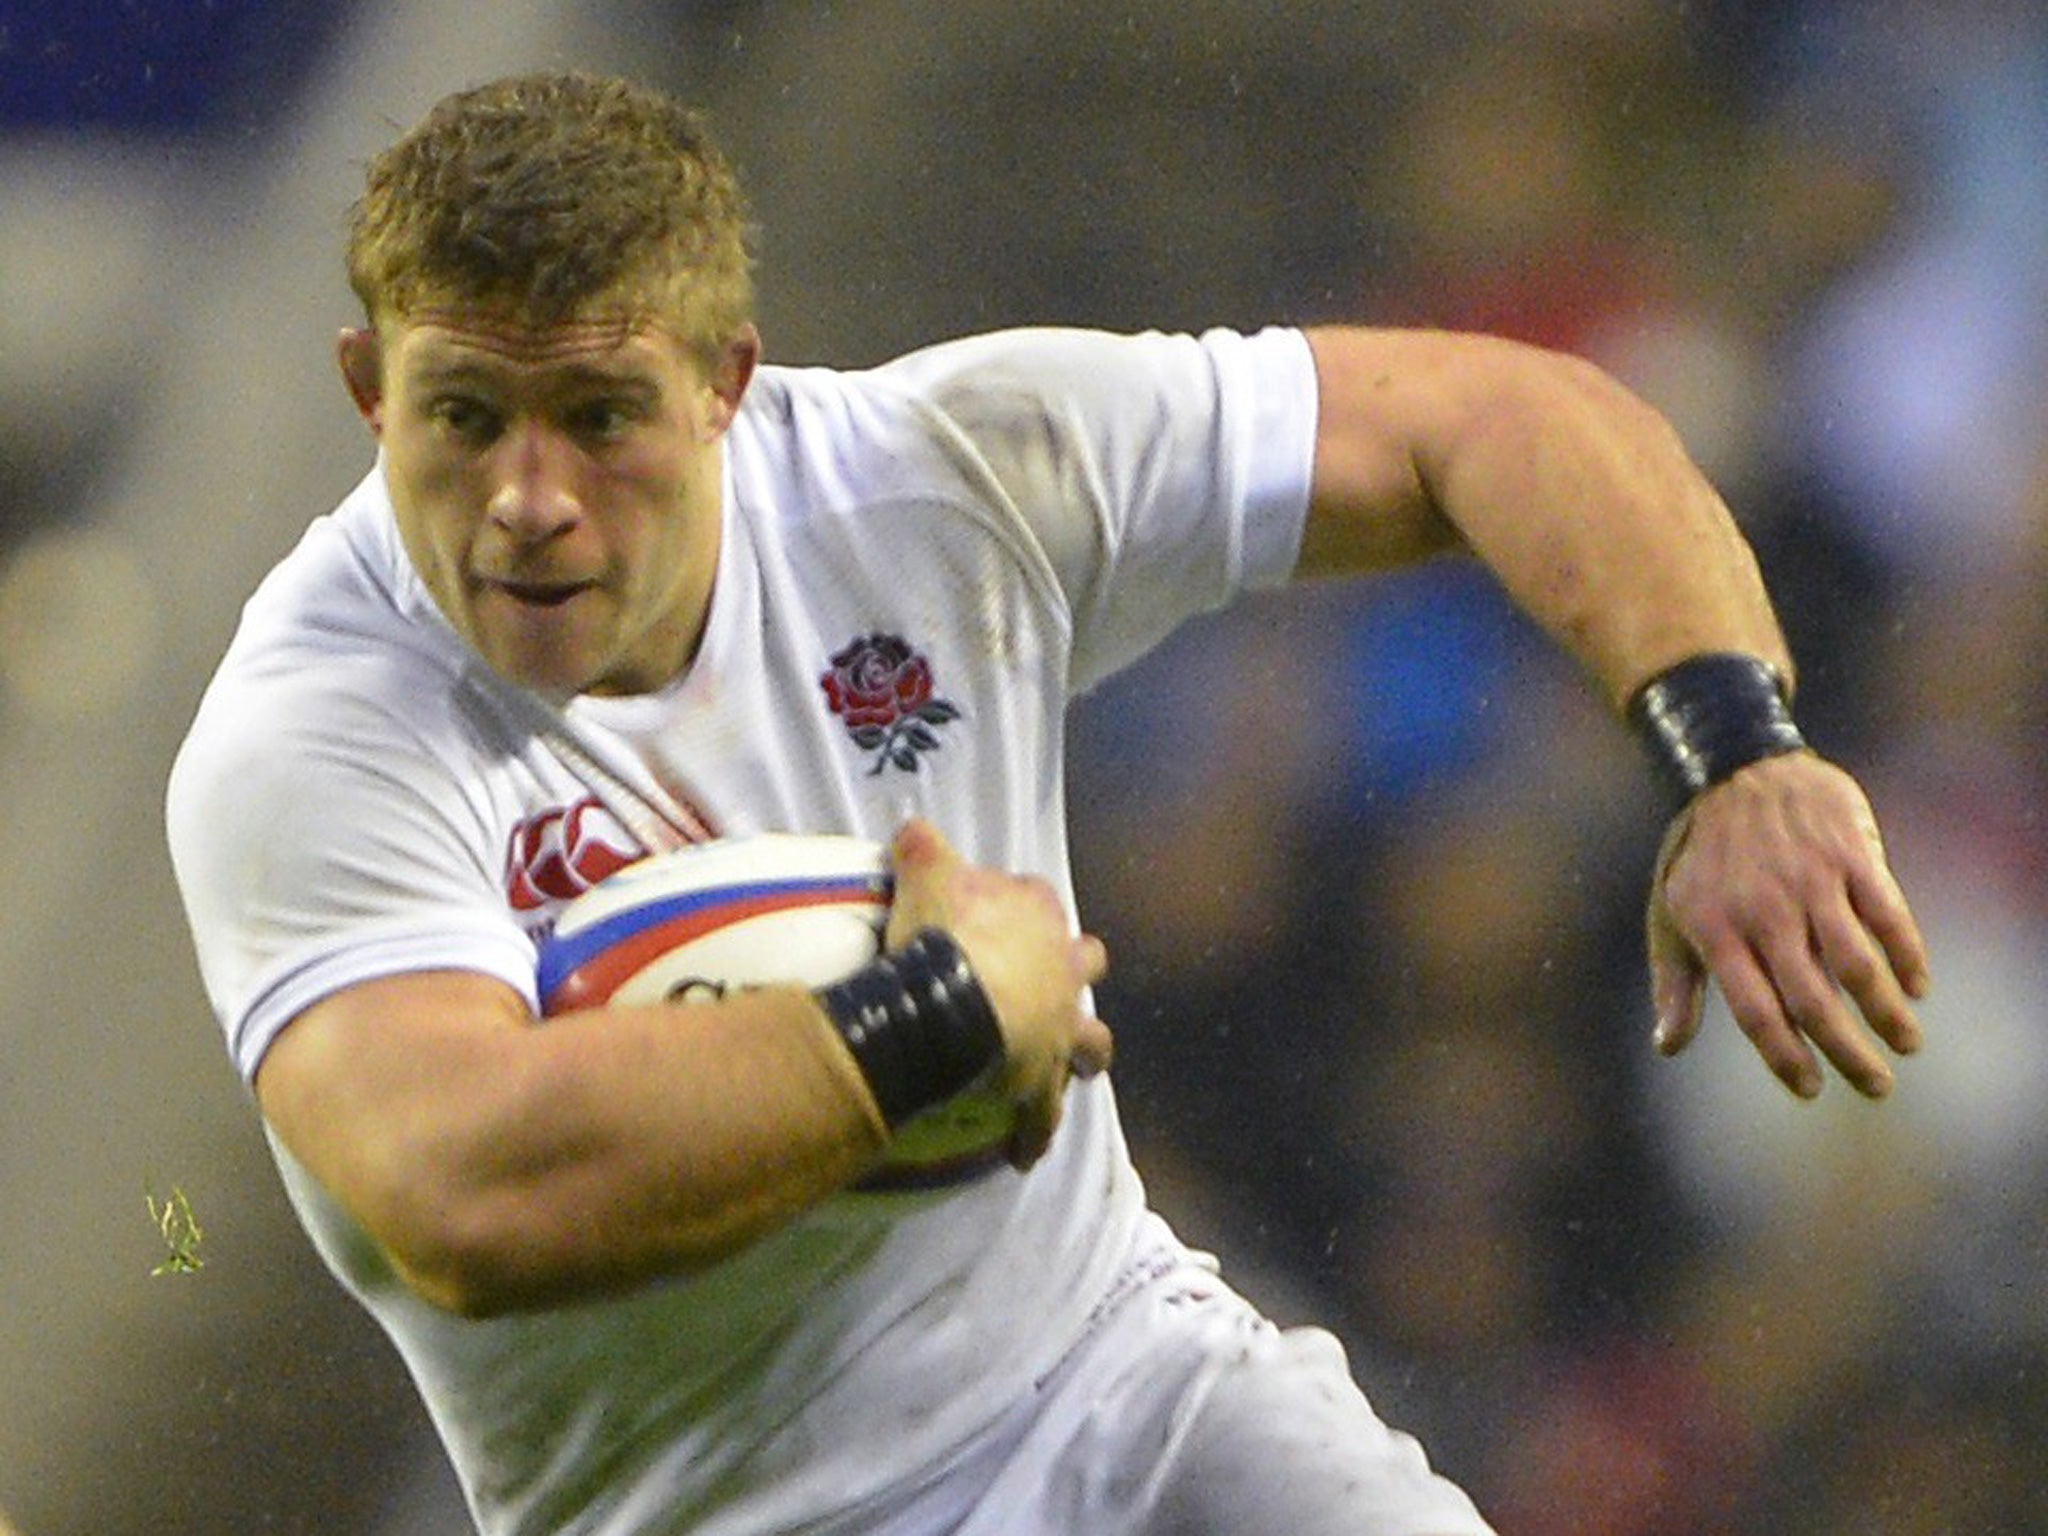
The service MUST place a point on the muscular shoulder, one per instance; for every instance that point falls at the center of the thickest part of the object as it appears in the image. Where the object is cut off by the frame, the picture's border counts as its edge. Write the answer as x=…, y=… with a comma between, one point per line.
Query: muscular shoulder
x=1066, y=441
x=329, y=689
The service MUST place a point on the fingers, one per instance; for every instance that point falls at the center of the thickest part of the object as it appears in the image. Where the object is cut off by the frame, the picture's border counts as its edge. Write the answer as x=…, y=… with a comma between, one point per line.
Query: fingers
x=1039, y=1114
x=1094, y=1049
x=1031, y=1134
x=1845, y=973
x=1881, y=905
x=1789, y=986
x=1784, y=982
x=1880, y=965
x=1092, y=958
x=1035, y=969
x=1810, y=1006
x=1777, y=888
x=1040, y=1077
x=1754, y=1004
x=1089, y=1052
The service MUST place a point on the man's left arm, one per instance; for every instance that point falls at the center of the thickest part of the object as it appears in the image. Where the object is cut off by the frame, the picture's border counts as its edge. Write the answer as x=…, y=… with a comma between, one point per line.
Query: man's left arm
x=1585, y=505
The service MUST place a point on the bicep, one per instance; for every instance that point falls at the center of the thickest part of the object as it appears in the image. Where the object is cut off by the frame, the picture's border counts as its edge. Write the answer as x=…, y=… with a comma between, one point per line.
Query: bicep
x=368, y=1088
x=1386, y=402
x=1575, y=493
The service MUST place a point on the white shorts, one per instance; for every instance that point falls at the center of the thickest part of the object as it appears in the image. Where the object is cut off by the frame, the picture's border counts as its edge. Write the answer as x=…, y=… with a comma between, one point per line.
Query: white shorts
x=1184, y=1412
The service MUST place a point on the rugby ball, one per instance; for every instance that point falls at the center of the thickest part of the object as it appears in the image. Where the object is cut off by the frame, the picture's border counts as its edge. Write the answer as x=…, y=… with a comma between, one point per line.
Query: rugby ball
x=750, y=911
x=773, y=907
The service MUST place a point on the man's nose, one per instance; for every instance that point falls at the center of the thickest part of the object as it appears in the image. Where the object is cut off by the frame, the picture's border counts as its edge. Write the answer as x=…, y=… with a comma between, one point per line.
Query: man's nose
x=535, y=494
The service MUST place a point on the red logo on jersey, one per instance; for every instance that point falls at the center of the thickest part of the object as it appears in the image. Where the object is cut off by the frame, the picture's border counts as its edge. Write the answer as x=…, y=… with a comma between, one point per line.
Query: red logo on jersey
x=883, y=691
x=562, y=853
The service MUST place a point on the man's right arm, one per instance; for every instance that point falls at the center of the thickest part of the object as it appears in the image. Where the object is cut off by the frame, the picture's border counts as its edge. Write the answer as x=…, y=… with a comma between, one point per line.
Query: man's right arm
x=503, y=1165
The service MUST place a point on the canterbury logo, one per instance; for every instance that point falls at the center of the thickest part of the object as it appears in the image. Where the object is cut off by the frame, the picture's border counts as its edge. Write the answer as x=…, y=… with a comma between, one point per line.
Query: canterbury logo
x=562, y=853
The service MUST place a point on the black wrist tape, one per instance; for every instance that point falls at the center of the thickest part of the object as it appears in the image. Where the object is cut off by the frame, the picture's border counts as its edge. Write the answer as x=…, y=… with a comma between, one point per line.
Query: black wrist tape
x=1710, y=715
x=918, y=1024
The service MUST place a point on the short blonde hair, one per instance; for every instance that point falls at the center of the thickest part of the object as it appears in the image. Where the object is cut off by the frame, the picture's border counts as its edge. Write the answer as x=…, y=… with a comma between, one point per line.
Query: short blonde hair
x=557, y=196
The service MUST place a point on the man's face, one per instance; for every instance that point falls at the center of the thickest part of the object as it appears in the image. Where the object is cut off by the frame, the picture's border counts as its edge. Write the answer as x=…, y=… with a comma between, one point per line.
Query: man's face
x=557, y=486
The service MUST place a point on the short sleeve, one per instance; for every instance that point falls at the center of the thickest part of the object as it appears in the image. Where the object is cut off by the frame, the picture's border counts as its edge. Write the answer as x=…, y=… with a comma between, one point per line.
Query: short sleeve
x=315, y=847
x=1160, y=475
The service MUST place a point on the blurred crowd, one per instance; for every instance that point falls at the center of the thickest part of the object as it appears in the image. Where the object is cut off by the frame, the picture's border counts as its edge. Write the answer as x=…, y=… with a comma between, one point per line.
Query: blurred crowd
x=1371, y=865
x=1373, y=875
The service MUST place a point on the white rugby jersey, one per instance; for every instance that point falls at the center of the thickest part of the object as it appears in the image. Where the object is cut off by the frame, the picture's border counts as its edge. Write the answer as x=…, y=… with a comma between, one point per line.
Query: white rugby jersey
x=1001, y=522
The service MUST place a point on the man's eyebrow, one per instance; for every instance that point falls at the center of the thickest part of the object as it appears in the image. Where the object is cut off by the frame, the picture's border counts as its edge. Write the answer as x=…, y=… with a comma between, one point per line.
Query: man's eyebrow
x=578, y=376
x=566, y=378
x=452, y=372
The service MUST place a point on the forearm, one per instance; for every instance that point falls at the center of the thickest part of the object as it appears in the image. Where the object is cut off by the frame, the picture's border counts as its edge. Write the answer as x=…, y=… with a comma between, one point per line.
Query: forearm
x=1576, y=494
x=506, y=1166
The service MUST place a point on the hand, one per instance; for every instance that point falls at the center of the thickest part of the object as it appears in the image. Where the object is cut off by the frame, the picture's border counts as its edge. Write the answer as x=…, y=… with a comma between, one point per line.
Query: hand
x=1030, y=962
x=1775, y=883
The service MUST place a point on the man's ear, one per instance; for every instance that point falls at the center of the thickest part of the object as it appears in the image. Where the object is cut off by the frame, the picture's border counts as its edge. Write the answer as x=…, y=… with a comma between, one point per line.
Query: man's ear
x=733, y=372
x=361, y=356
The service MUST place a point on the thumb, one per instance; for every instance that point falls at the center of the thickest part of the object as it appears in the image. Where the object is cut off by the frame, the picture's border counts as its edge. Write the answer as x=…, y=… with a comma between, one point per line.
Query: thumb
x=920, y=863
x=1677, y=984
x=1677, y=978
x=919, y=845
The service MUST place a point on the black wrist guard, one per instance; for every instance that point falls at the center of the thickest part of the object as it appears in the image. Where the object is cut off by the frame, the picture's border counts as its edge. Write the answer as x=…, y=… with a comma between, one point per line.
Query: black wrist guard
x=1710, y=715
x=918, y=1024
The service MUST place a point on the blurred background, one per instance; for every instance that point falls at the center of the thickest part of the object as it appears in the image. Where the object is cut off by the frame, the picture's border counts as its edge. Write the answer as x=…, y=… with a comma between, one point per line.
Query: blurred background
x=1371, y=863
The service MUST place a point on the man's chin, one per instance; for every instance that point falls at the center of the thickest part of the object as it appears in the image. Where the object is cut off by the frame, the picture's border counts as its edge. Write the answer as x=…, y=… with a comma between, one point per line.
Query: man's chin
x=553, y=674
x=541, y=648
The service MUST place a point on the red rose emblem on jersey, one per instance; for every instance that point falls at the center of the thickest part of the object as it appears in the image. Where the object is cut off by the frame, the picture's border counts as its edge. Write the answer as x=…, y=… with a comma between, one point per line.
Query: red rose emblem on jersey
x=882, y=690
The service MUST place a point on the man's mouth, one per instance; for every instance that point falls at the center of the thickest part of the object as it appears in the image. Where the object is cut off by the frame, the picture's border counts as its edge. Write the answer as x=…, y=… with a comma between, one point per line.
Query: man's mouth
x=538, y=594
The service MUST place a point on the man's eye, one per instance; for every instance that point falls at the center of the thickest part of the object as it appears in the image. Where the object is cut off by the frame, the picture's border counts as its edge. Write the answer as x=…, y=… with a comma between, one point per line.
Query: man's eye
x=603, y=420
x=470, y=419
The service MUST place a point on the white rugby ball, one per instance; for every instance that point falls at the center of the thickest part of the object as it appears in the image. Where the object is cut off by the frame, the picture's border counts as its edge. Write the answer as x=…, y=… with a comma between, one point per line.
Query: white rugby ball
x=750, y=911
x=772, y=907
